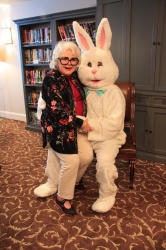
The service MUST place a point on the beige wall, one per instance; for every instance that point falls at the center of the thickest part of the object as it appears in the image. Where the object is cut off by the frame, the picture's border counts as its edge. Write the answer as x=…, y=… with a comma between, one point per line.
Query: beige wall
x=11, y=90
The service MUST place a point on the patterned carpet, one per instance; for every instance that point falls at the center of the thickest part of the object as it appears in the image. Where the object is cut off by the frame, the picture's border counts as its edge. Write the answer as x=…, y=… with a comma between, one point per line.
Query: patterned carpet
x=136, y=222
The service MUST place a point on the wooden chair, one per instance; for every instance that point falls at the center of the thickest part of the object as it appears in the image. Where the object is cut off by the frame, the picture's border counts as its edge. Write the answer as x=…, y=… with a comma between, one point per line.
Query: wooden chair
x=128, y=150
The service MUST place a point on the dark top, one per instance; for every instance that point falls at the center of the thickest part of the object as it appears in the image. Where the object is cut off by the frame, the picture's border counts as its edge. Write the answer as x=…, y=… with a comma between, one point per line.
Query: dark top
x=58, y=121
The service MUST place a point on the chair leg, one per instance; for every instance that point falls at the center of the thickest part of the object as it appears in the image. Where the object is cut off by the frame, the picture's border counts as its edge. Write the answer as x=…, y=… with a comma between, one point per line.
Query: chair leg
x=132, y=170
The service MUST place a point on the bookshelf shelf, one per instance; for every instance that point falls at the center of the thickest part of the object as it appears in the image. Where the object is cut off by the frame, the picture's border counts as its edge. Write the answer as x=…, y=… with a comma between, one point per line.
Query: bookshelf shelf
x=36, y=45
x=33, y=127
x=33, y=107
x=37, y=39
x=35, y=65
x=33, y=85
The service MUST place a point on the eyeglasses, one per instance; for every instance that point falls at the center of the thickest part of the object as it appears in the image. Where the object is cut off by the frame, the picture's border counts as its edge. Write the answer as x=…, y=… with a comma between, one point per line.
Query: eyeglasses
x=65, y=60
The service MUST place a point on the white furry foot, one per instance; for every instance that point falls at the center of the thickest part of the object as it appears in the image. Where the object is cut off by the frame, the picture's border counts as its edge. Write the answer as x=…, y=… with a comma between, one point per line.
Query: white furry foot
x=103, y=205
x=45, y=190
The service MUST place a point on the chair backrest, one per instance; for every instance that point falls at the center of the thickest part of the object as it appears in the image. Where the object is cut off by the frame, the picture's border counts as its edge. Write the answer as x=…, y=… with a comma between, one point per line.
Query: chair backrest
x=128, y=150
x=128, y=90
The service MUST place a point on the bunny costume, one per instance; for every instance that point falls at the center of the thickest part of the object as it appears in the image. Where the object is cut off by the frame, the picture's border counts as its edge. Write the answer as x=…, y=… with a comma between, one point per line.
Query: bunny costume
x=106, y=108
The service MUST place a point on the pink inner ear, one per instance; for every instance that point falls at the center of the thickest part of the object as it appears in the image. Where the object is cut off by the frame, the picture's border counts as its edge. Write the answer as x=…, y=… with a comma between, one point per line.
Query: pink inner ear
x=102, y=38
x=83, y=41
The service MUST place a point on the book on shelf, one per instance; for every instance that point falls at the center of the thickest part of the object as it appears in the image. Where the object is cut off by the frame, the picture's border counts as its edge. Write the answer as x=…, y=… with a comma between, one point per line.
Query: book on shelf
x=35, y=76
x=86, y=27
x=33, y=98
x=35, y=56
x=89, y=28
x=37, y=36
x=33, y=119
x=25, y=36
x=62, y=32
x=27, y=77
x=27, y=56
x=92, y=27
x=70, y=32
x=31, y=37
x=47, y=35
x=41, y=35
x=66, y=31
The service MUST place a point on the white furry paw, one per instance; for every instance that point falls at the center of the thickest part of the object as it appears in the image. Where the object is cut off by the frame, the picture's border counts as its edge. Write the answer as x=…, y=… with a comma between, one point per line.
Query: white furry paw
x=41, y=102
x=45, y=190
x=103, y=205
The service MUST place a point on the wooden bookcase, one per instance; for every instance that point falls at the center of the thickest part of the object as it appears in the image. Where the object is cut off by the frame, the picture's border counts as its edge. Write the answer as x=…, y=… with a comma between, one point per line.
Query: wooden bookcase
x=32, y=87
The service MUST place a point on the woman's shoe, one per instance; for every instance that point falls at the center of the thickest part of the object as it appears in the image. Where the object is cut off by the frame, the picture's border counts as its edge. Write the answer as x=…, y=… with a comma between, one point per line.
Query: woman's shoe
x=68, y=211
x=79, y=187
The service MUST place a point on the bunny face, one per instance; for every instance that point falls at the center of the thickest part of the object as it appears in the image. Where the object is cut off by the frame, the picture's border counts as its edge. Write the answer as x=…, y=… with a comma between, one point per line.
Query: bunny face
x=97, y=69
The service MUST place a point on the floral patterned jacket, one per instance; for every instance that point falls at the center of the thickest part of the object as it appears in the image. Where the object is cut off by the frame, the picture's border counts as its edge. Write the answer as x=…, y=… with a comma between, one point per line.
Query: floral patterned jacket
x=58, y=121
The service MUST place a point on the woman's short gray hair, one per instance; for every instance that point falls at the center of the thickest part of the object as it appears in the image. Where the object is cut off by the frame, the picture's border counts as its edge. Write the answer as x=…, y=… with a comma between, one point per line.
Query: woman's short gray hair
x=61, y=46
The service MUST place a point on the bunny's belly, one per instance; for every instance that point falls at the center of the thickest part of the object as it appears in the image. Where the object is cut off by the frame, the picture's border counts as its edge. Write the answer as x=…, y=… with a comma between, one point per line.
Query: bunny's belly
x=94, y=105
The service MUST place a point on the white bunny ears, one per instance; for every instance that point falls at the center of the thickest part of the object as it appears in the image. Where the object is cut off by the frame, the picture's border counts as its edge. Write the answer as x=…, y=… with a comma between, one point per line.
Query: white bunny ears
x=103, y=36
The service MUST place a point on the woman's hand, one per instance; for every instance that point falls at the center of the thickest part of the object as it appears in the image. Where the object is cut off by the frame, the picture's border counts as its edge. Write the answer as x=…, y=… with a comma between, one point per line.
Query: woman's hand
x=86, y=127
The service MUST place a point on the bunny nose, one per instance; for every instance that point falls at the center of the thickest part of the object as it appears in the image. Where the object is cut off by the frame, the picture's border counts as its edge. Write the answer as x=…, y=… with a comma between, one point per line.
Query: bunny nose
x=94, y=71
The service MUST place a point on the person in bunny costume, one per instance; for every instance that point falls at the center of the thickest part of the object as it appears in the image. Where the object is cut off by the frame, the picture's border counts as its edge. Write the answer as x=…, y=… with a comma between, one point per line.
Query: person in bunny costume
x=106, y=108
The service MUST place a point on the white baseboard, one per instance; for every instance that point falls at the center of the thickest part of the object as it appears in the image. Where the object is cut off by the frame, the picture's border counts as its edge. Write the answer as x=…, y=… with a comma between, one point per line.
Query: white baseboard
x=14, y=116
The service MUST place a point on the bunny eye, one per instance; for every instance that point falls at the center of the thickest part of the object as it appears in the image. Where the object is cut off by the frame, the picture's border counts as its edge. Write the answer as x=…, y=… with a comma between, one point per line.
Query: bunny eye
x=89, y=64
x=99, y=64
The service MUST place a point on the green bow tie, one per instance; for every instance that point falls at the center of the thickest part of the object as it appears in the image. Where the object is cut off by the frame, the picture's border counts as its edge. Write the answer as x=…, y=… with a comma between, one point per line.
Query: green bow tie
x=98, y=92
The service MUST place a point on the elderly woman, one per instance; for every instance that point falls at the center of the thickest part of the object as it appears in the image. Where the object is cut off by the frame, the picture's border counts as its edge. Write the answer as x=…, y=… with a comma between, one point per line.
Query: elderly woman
x=69, y=152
